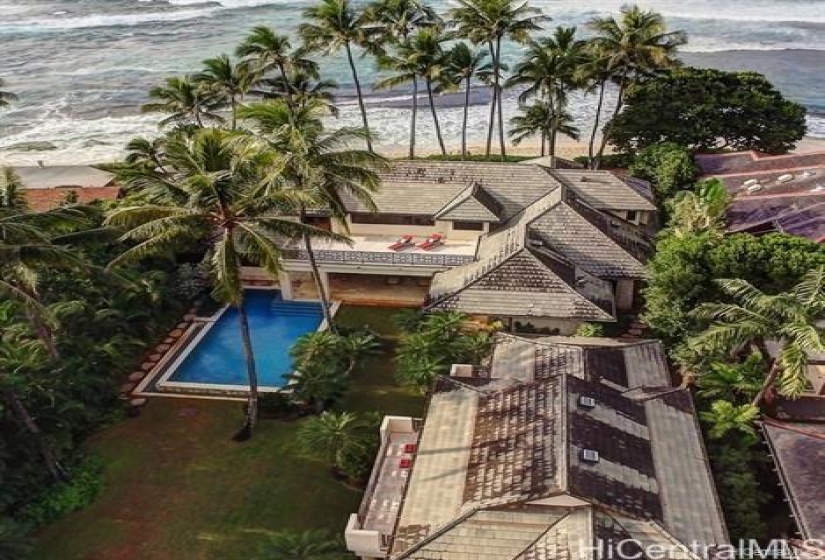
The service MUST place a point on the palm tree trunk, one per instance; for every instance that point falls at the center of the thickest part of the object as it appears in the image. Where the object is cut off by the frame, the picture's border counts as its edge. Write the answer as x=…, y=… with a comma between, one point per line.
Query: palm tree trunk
x=319, y=285
x=233, y=103
x=287, y=86
x=435, y=117
x=776, y=368
x=552, y=143
x=591, y=146
x=499, y=93
x=466, y=118
x=359, y=94
x=413, y=116
x=15, y=404
x=492, y=123
x=245, y=432
x=543, y=142
x=616, y=110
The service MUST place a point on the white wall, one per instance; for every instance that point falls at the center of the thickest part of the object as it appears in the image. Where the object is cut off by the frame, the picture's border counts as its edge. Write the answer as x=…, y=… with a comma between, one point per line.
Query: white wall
x=366, y=544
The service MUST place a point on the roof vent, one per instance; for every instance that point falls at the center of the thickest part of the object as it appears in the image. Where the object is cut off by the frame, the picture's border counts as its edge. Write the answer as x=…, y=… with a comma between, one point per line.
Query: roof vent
x=584, y=179
x=785, y=178
x=587, y=402
x=590, y=455
x=756, y=187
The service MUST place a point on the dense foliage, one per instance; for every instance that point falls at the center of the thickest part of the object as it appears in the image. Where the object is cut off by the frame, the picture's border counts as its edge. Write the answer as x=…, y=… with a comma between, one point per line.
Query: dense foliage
x=704, y=109
x=669, y=167
x=69, y=337
x=432, y=343
x=684, y=269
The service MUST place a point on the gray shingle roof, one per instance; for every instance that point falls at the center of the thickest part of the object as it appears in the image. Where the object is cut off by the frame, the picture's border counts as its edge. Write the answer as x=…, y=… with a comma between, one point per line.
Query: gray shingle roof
x=546, y=261
x=606, y=190
x=798, y=450
x=474, y=204
x=499, y=474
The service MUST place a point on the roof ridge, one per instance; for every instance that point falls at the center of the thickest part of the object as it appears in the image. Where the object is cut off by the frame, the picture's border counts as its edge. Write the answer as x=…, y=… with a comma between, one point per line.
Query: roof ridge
x=438, y=532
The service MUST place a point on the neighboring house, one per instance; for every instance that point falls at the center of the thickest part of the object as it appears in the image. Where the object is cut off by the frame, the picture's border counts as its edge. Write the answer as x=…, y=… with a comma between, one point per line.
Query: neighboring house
x=520, y=241
x=796, y=437
x=772, y=193
x=49, y=186
x=560, y=448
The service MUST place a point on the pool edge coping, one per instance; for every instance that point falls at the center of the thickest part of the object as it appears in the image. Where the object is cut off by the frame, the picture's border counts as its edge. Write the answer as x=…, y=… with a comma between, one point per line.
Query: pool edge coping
x=184, y=346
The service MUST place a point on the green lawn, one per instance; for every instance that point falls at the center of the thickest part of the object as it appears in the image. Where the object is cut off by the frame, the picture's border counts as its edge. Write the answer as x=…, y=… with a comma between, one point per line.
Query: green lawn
x=176, y=487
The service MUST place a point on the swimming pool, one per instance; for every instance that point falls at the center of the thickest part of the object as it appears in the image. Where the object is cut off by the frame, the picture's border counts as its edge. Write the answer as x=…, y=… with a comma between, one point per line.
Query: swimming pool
x=216, y=357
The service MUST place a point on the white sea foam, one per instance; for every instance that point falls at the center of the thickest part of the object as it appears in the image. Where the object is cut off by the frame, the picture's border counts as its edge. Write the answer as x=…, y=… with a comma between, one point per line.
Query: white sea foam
x=101, y=20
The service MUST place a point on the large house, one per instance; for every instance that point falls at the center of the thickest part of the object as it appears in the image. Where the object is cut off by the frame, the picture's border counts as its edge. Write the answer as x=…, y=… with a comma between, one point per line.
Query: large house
x=514, y=241
x=560, y=448
x=772, y=193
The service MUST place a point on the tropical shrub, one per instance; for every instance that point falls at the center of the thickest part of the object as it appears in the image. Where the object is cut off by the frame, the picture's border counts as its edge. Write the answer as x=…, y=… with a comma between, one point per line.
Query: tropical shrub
x=435, y=343
x=668, y=166
x=589, y=329
x=57, y=500
x=347, y=440
x=14, y=541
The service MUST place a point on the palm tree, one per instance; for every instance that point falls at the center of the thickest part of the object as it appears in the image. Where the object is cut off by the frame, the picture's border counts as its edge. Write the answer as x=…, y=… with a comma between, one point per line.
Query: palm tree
x=595, y=74
x=188, y=101
x=300, y=89
x=725, y=417
x=12, y=195
x=313, y=544
x=543, y=120
x=397, y=20
x=636, y=45
x=464, y=64
x=230, y=80
x=419, y=56
x=489, y=22
x=147, y=154
x=405, y=70
x=788, y=318
x=6, y=97
x=26, y=248
x=336, y=25
x=267, y=52
x=722, y=380
x=219, y=192
x=334, y=436
x=319, y=163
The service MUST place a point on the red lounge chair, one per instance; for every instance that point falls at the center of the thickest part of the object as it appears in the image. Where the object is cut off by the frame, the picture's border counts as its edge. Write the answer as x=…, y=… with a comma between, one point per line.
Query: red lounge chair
x=434, y=240
x=402, y=242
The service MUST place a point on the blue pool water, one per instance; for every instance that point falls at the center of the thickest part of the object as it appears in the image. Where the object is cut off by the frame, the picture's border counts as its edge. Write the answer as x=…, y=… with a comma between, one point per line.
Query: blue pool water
x=275, y=325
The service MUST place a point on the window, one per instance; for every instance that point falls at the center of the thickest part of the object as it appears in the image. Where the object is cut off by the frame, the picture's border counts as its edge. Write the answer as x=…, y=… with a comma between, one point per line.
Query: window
x=632, y=216
x=392, y=219
x=469, y=226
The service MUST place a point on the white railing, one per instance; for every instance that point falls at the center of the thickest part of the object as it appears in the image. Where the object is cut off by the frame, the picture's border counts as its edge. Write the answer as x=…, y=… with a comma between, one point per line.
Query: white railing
x=380, y=257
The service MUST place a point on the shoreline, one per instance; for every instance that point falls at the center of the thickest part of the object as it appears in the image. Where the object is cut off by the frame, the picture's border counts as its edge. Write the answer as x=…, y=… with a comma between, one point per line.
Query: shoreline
x=565, y=148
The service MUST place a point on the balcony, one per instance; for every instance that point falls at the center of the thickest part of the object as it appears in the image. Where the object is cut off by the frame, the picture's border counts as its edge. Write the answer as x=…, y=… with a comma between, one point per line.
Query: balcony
x=374, y=250
x=369, y=531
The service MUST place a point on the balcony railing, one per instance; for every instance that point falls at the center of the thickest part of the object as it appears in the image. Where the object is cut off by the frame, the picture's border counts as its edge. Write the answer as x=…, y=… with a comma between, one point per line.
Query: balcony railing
x=381, y=257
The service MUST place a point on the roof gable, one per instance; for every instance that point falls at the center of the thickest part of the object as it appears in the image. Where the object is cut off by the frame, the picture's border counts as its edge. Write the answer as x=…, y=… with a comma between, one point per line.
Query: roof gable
x=474, y=204
x=606, y=190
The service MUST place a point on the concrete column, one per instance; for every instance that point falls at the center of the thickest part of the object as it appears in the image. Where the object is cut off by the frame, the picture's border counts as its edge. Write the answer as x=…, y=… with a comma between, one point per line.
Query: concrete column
x=285, y=281
x=624, y=294
x=325, y=282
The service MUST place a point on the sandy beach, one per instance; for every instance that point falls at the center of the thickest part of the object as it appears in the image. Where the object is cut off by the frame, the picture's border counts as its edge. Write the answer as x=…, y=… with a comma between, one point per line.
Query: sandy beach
x=565, y=148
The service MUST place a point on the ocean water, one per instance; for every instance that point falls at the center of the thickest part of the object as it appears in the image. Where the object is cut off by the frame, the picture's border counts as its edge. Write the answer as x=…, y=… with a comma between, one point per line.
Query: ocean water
x=82, y=67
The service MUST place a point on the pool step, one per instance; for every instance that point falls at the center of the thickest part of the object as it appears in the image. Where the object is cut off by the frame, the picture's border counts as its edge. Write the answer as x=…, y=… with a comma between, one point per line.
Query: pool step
x=295, y=309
